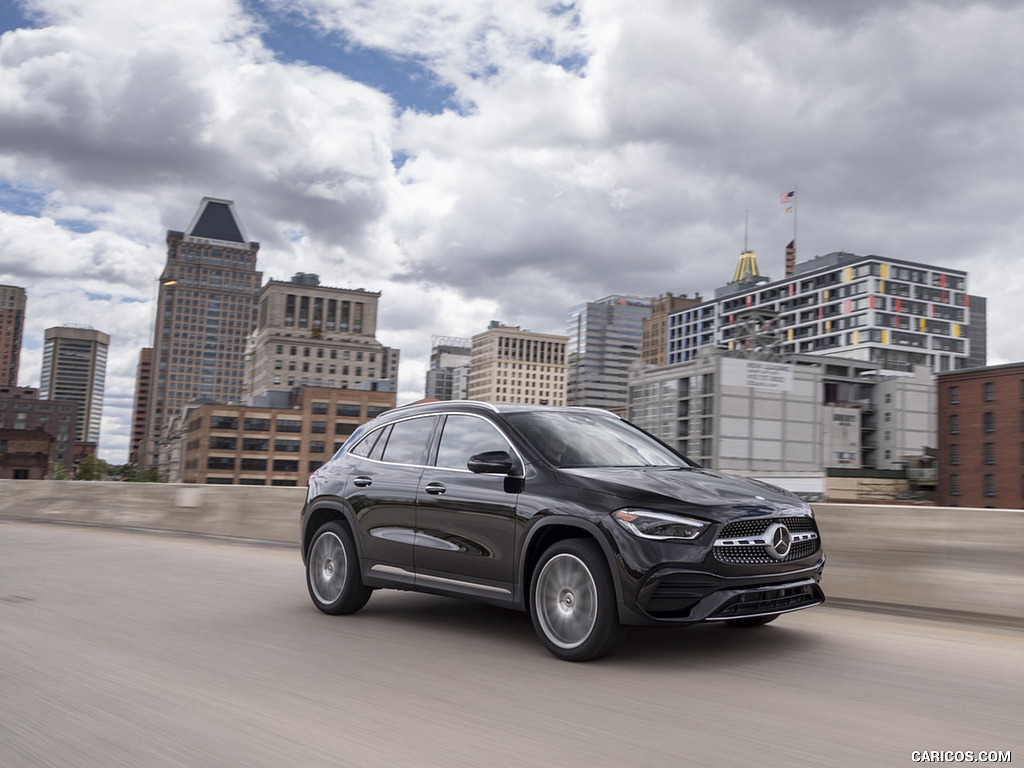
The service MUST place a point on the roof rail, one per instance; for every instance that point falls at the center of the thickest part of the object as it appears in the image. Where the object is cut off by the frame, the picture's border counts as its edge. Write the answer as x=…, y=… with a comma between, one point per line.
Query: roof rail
x=445, y=403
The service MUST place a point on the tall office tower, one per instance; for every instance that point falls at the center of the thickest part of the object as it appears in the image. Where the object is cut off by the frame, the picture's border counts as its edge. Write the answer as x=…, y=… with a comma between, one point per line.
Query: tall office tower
x=510, y=365
x=313, y=335
x=605, y=338
x=143, y=374
x=205, y=311
x=655, y=327
x=448, y=375
x=12, y=324
x=899, y=314
x=75, y=368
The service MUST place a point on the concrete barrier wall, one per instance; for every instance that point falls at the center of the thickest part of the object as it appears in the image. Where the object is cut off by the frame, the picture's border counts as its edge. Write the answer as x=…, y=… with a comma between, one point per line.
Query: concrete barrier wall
x=931, y=560
x=264, y=513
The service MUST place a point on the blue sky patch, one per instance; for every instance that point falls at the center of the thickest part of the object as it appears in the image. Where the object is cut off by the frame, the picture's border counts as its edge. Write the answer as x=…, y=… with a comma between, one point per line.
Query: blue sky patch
x=21, y=201
x=294, y=38
x=13, y=17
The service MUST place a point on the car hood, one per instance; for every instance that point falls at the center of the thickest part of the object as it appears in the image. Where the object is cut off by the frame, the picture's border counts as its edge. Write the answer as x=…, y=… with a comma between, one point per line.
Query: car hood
x=690, y=486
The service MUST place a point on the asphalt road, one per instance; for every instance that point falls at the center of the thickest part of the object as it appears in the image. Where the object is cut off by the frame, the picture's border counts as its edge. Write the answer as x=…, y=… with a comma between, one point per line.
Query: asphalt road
x=132, y=649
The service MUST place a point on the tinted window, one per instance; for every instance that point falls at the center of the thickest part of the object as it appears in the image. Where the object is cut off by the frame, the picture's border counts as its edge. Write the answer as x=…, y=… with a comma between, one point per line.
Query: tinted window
x=582, y=439
x=408, y=441
x=466, y=436
x=364, y=446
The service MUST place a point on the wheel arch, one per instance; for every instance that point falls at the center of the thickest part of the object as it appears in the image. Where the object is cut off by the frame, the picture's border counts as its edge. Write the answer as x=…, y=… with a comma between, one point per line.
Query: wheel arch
x=327, y=511
x=550, y=531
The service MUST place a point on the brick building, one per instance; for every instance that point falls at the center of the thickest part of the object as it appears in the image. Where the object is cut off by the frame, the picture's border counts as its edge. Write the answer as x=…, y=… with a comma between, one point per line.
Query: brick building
x=22, y=410
x=25, y=454
x=274, y=444
x=981, y=437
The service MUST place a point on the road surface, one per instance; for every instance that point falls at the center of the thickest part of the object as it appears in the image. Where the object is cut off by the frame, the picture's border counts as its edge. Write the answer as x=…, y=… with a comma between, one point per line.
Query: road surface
x=133, y=649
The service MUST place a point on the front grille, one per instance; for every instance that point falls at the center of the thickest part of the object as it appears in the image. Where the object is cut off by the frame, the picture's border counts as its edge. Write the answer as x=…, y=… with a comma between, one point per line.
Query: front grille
x=763, y=601
x=739, y=551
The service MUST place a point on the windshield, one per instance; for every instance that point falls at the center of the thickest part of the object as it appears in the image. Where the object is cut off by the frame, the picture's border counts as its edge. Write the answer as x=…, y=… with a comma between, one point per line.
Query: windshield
x=586, y=439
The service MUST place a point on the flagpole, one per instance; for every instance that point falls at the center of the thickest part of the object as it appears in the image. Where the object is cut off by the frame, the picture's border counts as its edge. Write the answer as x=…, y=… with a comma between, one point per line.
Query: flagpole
x=796, y=202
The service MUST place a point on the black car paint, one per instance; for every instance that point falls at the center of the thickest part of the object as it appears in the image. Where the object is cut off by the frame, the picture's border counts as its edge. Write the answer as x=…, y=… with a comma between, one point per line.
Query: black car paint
x=452, y=551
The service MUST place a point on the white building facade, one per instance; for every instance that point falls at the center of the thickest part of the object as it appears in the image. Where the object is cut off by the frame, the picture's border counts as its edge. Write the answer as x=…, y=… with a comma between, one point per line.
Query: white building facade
x=896, y=314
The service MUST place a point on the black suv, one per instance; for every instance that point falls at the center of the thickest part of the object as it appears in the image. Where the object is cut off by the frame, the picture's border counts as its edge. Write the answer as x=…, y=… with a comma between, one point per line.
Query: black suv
x=572, y=514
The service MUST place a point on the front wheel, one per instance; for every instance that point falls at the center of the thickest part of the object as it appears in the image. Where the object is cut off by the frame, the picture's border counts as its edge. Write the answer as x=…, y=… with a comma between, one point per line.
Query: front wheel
x=332, y=571
x=572, y=601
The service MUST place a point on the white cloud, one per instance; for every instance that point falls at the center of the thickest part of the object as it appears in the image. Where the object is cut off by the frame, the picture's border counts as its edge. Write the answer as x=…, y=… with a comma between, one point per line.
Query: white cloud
x=589, y=148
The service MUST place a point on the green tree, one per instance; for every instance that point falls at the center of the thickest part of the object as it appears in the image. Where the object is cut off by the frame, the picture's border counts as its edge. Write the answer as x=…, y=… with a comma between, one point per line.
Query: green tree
x=91, y=468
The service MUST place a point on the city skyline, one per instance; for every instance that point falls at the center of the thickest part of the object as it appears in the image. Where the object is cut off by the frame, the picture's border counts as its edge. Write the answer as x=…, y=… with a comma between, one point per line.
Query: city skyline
x=477, y=163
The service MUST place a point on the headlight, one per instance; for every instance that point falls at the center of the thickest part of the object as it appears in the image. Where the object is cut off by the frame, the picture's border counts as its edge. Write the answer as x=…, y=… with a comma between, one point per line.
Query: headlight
x=658, y=525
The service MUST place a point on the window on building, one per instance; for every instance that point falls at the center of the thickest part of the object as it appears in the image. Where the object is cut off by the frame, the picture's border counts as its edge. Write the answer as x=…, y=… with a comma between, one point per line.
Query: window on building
x=286, y=465
x=954, y=485
x=954, y=424
x=316, y=446
x=954, y=395
x=990, y=485
x=222, y=443
x=954, y=454
x=990, y=421
x=223, y=422
x=257, y=425
x=988, y=453
x=255, y=444
x=990, y=391
x=220, y=462
x=255, y=465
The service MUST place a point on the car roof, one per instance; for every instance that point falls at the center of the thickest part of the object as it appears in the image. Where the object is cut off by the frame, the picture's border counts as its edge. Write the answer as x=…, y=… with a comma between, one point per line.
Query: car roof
x=479, y=405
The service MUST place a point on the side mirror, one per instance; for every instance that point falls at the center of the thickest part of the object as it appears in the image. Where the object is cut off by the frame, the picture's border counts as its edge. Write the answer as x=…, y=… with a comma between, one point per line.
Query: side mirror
x=491, y=462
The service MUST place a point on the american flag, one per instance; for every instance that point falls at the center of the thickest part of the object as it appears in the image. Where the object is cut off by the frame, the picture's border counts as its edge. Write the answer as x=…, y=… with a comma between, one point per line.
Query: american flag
x=787, y=197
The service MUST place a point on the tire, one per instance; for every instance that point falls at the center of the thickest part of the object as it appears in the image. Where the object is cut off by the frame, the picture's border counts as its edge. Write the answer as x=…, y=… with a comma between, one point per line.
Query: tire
x=332, y=571
x=572, y=601
x=755, y=621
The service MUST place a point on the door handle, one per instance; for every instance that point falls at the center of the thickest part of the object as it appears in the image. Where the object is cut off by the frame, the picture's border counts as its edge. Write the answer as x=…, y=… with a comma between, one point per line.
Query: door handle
x=435, y=488
x=362, y=482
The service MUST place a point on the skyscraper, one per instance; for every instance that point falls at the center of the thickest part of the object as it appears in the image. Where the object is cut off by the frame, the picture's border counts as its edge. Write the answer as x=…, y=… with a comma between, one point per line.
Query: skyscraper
x=510, y=365
x=140, y=407
x=448, y=375
x=75, y=368
x=205, y=311
x=12, y=324
x=314, y=335
x=605, y=338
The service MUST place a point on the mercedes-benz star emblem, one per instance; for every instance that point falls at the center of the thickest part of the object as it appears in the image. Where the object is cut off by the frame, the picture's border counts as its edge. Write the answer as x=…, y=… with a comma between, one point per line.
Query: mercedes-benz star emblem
x=778, y=541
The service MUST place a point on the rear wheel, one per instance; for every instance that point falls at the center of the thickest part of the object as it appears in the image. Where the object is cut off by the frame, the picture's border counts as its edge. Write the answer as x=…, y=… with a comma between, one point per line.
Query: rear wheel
x=332, y=571
x=572, y=601
x=754, y=621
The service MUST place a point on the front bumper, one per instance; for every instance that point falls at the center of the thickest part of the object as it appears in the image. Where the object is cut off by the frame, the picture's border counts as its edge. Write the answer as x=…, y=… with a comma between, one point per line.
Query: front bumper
x=672, y=584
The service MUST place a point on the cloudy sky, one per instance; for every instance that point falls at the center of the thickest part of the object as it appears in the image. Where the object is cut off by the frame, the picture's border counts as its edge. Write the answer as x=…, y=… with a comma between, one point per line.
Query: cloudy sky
x=486, y=159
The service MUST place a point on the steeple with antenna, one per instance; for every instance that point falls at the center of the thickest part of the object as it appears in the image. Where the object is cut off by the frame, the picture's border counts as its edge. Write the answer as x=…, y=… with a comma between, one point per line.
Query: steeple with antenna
x=747, y=267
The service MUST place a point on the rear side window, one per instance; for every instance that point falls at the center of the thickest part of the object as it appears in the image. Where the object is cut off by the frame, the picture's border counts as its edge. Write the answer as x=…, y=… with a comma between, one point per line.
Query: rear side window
x=365, y=446
x=409, y=441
